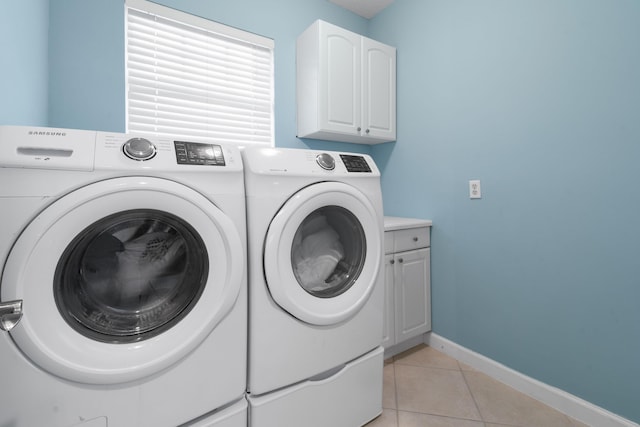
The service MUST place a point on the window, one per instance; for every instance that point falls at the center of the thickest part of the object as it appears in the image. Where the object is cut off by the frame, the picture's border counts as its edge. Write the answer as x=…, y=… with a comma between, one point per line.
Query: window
x=190, y=77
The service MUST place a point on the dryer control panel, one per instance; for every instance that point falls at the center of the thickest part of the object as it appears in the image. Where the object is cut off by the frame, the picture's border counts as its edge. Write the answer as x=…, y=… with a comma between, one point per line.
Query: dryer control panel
x=355, y=163
x=296, y=162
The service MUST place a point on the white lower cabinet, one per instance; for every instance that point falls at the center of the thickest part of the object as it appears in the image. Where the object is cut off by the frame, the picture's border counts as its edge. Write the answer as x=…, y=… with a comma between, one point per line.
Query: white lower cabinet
x=407, y=282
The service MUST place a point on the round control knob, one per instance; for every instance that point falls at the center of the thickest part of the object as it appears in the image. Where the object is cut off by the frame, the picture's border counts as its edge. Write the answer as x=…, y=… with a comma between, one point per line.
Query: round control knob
x=326, y=161
x=139, y=149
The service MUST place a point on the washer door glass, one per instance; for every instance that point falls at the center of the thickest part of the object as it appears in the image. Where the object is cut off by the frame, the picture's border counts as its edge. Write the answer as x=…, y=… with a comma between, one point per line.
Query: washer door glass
x=130, y=276
x=328, y=251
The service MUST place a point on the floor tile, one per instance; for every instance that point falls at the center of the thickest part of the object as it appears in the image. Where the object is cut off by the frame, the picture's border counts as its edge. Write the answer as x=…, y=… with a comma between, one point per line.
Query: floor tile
x=426, y=357
x=501, y=404
x=465, y=367
x=388, y=418
x=389, y=387
x=434, y=391
x=577, y=423
x=412, y=419
x=424, y=387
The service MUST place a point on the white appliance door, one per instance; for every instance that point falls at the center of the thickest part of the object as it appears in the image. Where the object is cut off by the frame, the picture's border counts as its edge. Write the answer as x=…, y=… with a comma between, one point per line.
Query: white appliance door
x=322, y=253
x=121, y=278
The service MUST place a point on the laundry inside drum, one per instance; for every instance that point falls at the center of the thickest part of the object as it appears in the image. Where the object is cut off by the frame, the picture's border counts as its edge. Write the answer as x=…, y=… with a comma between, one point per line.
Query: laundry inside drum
x=131, y=275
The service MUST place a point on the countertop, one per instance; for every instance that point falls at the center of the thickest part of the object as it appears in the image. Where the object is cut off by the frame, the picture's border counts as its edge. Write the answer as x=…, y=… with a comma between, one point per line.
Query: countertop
x=397, y=223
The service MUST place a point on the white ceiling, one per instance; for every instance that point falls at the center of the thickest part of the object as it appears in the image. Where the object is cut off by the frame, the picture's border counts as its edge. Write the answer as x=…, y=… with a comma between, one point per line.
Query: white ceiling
x=366, y=8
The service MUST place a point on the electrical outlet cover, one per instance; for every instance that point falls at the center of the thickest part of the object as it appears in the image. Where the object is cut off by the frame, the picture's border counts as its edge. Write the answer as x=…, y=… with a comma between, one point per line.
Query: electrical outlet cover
x=474, y=189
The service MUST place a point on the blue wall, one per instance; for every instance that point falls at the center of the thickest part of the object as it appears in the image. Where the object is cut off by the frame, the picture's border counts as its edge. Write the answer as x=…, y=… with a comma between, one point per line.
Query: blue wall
x=540, y=100
x=87, y=49
x=86, y=69
x=24, y=27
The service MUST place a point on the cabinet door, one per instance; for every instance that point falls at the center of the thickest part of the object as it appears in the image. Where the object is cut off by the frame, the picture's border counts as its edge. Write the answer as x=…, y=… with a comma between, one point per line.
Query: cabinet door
x=412, y=293
x=388, y=332
x=379, y=90
x=340, y=80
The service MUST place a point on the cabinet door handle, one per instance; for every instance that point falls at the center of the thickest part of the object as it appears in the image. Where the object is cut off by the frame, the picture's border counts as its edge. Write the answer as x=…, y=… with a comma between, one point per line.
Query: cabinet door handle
x=400, y=260
x=392, y=262
x=415, y=239
x=359, y=128
x=367, y=131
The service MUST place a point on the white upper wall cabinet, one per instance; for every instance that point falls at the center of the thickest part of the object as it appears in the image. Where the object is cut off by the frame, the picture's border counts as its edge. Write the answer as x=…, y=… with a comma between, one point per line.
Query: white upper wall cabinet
x=346, y=86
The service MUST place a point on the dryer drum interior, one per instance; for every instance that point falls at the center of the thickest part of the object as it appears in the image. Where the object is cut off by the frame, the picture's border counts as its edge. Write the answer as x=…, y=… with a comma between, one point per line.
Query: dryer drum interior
x=130, y=276
x=328, y=251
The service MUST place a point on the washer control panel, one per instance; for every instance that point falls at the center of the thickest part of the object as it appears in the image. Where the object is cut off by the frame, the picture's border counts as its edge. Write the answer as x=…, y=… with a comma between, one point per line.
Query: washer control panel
x=195, y=153
x=355, y=163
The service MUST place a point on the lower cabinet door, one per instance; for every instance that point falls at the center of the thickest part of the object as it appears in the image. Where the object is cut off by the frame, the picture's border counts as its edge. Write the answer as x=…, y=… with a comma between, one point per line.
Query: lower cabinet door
x=412, y=293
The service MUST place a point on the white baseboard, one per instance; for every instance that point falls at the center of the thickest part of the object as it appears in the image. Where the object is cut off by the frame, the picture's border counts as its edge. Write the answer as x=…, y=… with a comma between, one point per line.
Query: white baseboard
x=564, y=402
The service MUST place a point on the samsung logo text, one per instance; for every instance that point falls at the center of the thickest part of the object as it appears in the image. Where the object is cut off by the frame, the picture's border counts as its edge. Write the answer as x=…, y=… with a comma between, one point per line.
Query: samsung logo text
x=46, y=133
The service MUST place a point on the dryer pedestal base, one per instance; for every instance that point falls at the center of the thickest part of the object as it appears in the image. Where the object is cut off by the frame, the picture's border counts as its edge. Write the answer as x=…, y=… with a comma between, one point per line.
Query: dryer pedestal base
x=351, y=397
x=233, y=416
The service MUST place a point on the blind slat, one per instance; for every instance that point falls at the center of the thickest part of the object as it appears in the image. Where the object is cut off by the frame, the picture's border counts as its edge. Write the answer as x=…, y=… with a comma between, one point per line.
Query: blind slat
x=177, y=86
x=188, y=81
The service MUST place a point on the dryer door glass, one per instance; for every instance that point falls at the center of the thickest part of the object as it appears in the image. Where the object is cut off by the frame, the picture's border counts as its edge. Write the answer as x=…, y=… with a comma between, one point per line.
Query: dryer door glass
x=328, y=251
x=323, y=253
x=130, y=276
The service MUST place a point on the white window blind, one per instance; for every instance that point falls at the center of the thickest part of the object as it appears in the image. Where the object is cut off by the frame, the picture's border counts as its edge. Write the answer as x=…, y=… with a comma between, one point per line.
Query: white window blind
x=190, y=77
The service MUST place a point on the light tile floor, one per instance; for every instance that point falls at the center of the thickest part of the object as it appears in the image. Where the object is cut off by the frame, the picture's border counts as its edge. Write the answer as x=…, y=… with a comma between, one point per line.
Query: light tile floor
x=424, y=387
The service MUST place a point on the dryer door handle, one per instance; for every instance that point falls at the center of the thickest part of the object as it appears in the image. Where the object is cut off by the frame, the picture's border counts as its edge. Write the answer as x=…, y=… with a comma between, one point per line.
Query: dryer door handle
x=10, y=314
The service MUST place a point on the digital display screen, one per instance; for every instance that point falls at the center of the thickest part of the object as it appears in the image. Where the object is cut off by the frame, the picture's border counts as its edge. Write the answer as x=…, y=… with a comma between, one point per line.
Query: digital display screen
x=355, y=163
x=195, y=153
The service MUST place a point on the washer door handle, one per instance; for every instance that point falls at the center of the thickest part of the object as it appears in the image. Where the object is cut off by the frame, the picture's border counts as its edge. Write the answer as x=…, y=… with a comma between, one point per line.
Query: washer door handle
x=10, y=314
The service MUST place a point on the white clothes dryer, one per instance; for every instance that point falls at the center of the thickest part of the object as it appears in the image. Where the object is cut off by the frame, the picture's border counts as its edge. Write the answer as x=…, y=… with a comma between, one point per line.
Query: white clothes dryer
x=315, y=233
x=123, y=287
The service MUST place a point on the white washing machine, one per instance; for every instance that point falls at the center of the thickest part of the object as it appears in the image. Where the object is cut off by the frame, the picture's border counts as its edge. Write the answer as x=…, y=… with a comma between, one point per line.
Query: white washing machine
x=315, y=233
x=123, y=289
